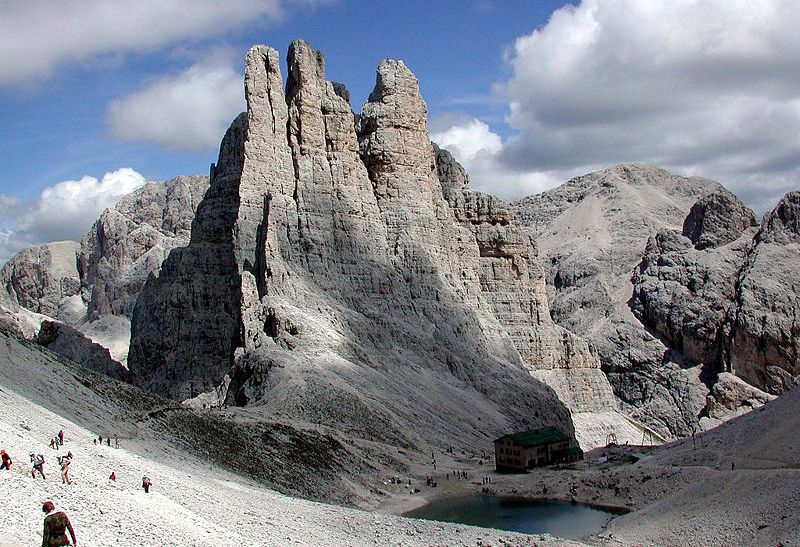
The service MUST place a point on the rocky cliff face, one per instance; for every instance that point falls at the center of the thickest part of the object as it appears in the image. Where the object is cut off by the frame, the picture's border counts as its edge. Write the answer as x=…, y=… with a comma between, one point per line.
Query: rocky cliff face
x=92, y=286
x=131, y=240
x=39, y=278
x=763, y=346
x=685, y=286
x=592, y=232
x=72, y=344
x=729, y=301
x=513, y=282
x=332, y=277
x=668, y=328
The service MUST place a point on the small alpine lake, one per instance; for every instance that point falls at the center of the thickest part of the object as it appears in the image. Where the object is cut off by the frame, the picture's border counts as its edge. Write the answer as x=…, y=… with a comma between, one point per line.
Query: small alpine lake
x=559, y=518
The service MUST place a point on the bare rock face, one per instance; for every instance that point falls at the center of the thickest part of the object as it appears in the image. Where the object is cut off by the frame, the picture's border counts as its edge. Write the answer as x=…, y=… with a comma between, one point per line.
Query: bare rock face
x=92, y=286
x=72, y=344
x=331, y=278
x=513, y=282
x=712, y=293
x=131, y=240
x=686, y=292
x=763, y=346
x=717, y=219
x=591, y=232
x=731, y=396
x=730, y=306
x=38, y=278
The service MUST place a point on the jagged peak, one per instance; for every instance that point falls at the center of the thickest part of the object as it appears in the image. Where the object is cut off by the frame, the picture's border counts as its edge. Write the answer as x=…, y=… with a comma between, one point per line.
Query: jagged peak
x=784, y=220
x=306, y=65
x=393, y=77
x=716, y=219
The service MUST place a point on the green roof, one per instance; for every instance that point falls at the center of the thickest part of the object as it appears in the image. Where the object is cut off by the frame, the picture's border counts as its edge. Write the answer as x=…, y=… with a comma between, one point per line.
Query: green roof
x=546, y=435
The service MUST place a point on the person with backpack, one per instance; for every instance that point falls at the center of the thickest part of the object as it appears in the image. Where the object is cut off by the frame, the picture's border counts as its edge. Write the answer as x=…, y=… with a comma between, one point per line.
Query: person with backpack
x=146, y=484
x=64, y=462
x=38, y=465
x=61, y=437
x=56, y=526
x=6, y=461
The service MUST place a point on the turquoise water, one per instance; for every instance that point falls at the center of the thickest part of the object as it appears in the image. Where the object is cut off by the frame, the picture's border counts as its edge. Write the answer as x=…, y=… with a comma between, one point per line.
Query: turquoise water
x=563, y=519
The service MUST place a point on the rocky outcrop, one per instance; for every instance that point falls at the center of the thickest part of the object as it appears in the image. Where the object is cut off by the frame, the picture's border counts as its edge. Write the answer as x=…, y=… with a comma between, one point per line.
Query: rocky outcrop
x=730, y=305
x=92, y=286
x=72, y=344
x=730, y=396
x=717, y=219
x=512, y=281
x=39, y=278
x=131, y=240
x=591, y=232
x=713, y=291
x=330, y=278
x=763, y=346
x=685, y=286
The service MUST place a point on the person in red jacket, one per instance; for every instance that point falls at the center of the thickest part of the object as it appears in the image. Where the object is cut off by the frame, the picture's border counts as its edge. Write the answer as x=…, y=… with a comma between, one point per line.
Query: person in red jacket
x=6, y=460
x=56, y=526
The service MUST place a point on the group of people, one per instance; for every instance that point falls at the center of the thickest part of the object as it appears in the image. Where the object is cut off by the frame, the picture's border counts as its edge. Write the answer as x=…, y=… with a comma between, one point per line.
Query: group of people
x=37, y=465
x=56, y=523
x=57, y=441
x=99, y=440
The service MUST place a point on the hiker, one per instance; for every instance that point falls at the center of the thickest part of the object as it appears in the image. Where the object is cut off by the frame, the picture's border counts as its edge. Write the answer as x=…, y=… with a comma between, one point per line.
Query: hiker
x=108, y=441
x=52, y=443
x=94, y=441
x=100, y=439
x=6, y=461
x=61, y=437
x=113, y=476
x=116, y=441
x=56, y=526
x=146, y=484
x=64, y=462
x=38, y=465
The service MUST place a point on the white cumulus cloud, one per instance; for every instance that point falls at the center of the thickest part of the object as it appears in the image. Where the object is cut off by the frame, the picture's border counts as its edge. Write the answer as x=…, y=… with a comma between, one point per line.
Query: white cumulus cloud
x=468, y=140
x=63, y=211
x=478, y=149
x=187, y=110
x=37, y=37
x=707, y=87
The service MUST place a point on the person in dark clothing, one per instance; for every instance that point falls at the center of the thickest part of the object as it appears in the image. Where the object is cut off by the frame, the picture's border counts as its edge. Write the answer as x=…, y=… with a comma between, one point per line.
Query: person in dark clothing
x=146, y=484
x=61, y=437
x=56, y=526
x=6, y=461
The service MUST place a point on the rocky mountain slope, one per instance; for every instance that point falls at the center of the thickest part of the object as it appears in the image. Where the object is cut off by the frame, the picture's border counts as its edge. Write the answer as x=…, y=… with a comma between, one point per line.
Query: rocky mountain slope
x=656, y=270
x=351, y=228
x=208, y=487
x=92, y=285
x=331, y=277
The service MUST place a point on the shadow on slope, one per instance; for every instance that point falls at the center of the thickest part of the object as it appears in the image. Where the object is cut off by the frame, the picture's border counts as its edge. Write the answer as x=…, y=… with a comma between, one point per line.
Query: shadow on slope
x=299, y=461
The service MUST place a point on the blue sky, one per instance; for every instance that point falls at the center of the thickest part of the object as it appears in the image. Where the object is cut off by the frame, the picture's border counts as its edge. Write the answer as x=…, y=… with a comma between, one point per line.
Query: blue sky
x=526, y=94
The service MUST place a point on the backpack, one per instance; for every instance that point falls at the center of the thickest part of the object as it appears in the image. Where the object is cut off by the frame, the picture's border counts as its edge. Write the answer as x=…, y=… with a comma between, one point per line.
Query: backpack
x=40, y=459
